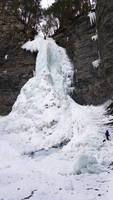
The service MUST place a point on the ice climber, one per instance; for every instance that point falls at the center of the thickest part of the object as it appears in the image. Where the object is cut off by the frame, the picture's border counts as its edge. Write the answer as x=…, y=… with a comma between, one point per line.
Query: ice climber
x=107, y=135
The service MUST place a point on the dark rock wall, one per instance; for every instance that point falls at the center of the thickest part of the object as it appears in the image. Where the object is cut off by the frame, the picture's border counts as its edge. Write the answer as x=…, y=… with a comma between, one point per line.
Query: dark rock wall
x=92, y=85
x=16, y=65
x=105, y=45
x=77, y=39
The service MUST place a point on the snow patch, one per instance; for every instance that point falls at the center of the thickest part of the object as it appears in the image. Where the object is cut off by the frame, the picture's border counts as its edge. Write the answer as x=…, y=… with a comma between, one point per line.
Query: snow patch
x=96, y=63
x=94, y=37
x=6, y=57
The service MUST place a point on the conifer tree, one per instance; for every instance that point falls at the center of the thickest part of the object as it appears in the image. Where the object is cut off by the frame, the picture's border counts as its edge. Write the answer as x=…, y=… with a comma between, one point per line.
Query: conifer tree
x=65, y=10
x=28, y=11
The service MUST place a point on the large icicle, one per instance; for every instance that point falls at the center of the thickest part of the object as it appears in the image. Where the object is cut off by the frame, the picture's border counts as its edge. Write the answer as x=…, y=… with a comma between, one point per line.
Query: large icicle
x=92, y=17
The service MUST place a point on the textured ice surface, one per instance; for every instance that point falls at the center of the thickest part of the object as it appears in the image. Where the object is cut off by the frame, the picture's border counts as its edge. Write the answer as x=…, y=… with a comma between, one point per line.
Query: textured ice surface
x=48, y=138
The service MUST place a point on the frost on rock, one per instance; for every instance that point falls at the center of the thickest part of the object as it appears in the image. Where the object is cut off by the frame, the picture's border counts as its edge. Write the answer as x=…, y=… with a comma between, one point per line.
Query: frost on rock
x=96, y=63
x=92, y=17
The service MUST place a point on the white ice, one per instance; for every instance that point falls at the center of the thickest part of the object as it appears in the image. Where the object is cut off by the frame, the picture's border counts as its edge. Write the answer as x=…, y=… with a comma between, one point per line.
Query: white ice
x=92, y=17
x=94, y=37
x=51, y=147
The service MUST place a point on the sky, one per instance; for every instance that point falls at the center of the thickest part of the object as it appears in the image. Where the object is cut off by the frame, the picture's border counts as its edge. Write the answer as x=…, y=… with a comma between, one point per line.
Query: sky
x=46, y=3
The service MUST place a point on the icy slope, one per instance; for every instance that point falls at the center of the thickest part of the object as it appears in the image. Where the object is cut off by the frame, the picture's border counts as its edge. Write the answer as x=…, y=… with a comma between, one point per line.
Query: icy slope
x=24, y=178
x=45, y=117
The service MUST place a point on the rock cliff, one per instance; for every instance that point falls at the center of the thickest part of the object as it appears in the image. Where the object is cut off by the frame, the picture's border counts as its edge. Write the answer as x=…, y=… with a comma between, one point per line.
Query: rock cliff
x=16, y=65
x=82, y=50
x=93, y=85
x=105, y=46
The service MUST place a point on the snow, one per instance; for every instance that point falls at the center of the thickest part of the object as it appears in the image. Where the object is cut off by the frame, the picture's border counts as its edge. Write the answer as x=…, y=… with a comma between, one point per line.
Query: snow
x=6, y=57
x=92, y=17
x=44, y=29
x=93, y=4
x=48, y=139
x=47, y=3
x=96, y=63
x=94, y=37
x=67, y=39
x=5, y=71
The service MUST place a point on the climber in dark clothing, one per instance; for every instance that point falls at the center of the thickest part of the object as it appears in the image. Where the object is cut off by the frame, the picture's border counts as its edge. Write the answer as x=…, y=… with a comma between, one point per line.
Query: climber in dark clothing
x=44, y=37
x=107, y=135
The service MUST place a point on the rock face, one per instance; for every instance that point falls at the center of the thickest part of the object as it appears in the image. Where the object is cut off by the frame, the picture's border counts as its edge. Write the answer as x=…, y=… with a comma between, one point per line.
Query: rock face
x=93, y=85
x=105, y=45
x=16, y=65
x=77, y=39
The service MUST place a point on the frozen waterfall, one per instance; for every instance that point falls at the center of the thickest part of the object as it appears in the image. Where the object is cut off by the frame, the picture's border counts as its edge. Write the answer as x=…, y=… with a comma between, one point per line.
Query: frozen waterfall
x=44, y=116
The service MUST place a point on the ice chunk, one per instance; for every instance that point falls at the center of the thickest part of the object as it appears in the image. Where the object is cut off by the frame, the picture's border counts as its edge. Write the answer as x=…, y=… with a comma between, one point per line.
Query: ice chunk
x=87, y=164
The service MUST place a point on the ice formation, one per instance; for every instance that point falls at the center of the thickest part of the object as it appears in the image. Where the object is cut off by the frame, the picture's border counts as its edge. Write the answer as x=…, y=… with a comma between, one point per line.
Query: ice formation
x=92, y=17
x=45, y=118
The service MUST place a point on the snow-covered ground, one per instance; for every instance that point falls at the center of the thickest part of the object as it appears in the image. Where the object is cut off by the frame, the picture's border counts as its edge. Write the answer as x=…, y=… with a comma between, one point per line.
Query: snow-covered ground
x=42, y=179
x=51, y=148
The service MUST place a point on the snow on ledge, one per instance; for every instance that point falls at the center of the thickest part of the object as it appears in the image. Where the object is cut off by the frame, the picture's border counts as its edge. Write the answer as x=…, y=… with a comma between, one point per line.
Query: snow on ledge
x=92, y=17
x=94, y=37
x=96, y=63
